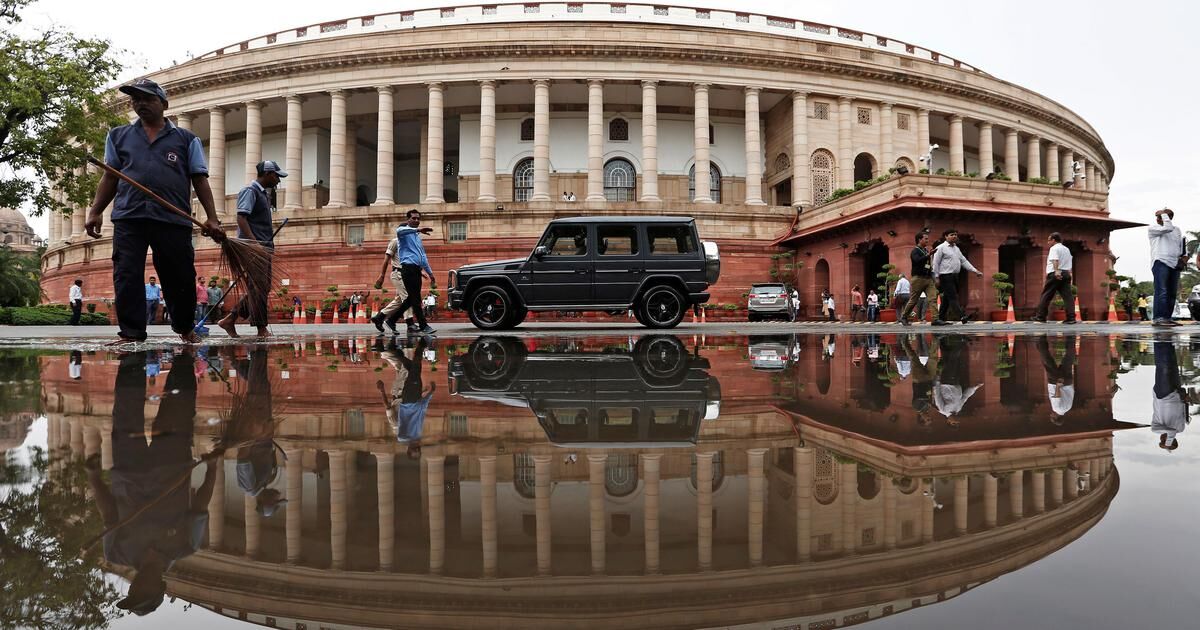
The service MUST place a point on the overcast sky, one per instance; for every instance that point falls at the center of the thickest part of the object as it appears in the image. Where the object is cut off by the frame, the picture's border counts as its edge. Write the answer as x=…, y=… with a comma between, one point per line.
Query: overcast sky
x=1125, y=67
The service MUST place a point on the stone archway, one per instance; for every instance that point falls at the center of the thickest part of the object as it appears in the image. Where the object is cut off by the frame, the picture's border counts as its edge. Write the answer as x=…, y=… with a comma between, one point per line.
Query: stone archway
x=866, y=167
x=821, y=175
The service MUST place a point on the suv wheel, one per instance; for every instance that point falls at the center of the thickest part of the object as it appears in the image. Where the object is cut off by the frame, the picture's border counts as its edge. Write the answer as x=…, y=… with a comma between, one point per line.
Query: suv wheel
x=661, y=306
x=662, y=360
x=491, y=308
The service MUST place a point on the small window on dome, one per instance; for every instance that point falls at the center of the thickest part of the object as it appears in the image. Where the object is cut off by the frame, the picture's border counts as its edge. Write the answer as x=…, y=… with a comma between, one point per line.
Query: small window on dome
x=618, y=130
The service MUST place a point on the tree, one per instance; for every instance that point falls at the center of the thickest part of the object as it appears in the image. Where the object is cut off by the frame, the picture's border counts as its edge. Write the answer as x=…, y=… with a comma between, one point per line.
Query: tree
x=20, y=275
x=53, y=106
x=1003, y=287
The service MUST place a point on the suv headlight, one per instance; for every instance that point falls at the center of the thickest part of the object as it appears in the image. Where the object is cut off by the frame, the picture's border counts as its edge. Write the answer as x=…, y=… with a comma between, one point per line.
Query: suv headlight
x=452, y=283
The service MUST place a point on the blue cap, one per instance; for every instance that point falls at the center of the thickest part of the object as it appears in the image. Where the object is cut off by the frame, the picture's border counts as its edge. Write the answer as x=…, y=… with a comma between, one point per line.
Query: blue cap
x=145, y=86
x=270, y=166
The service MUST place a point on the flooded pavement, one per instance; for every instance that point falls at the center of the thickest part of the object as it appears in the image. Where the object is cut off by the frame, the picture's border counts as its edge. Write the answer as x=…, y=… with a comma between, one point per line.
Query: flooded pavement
x=774, y=481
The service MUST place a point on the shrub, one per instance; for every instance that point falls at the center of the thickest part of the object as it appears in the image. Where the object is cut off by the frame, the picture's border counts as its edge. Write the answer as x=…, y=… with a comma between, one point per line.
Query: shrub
x=839, y=193
x=1037, y=180
x=923, y=171
x=47, y=315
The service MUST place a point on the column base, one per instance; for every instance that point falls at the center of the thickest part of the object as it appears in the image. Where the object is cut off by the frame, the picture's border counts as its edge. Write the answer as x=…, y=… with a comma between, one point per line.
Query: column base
x=535, y=198
x=434, y=200
x=595, y=198
x=487, y=199
x=755, y=202
x=650, y=198
x=702, y=200
x=384, y=202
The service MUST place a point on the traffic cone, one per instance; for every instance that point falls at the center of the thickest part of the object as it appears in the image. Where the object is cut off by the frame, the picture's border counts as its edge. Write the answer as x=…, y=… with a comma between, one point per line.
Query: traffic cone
x=1012, y=316
x=335, y=345
x=694, y=319
x=335, y=315
x=703, y=316
x=303, y=314
x=295, y=314
x=1078, y=313
x=1112, y=309
x=1012, y=344
x=360, y=316
x=317, y=316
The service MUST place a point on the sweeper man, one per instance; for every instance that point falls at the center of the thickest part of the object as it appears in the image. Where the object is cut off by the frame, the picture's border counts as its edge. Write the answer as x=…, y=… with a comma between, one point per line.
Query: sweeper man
x=169, y=161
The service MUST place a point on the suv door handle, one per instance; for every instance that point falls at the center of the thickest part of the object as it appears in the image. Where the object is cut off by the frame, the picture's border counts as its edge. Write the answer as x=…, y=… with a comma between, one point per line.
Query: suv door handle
x=582, y=270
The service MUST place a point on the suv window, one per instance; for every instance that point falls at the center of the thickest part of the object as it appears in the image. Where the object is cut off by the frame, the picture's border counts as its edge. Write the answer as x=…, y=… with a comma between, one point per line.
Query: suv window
x=776, y=288
x=669, y=240
x=616, y=240
x=566, y=240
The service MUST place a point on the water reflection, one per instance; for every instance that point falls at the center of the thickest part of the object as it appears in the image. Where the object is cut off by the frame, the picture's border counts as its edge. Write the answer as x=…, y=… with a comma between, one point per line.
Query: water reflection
x=817, y=482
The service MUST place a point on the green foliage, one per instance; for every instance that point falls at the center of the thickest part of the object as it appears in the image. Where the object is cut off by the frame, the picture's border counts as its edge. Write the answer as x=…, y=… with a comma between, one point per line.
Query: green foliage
x=839, y=193
x=19, y=275
x=861, y=184
x=941, y=171
x=1002, y=177
x=888, y=277
x=1004, y=288
x=1056, y=183
x=923, y=171
x=53, y=106
x=47, y=315
x=973, y=174
x=1037, y=180
x=954, y=174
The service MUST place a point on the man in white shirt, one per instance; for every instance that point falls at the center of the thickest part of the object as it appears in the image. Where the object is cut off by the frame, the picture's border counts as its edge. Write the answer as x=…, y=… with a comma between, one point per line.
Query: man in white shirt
x=1059, y=264
x=1170, y=398
x=901, y=294
x=391, y=261
x=76, y=299
x=1060, y=378
x=1167, y=251
x=948, y=261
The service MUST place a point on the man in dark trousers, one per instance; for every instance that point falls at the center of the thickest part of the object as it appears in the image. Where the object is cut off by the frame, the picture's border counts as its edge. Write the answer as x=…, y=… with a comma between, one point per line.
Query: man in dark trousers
x=948, y=262
x=1060, y=378
x=156, y=516
x=1059, y=264
x=254, y=208
x=76, y=301
x=408, y=402
x=413, y=264
x=922, y=276
x=169, y=161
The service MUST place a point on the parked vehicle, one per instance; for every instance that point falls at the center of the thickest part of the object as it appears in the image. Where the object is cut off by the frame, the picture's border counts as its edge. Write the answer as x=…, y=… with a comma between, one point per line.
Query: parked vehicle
x=770, y=300
x=1193, y=304
x=655, y=266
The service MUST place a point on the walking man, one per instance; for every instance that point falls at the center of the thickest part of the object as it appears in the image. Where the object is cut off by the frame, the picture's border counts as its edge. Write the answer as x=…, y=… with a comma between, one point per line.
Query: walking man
x=1060, y=378
x=922, y=276
x=201, y=300
x=76, y=298
x=948, y=261
x=254, y=223
x=214, y=297
x=391, y=265
x=1169, y=256
x=170, y=161
x=413, y=264
x=856, y=303
x=1058, y=280
x=900, y=296
x=153, y=297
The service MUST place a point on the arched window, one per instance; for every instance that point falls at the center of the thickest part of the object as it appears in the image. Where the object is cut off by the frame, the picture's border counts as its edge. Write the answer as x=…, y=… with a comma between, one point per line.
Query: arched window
x=714, y=183
x=821, y=176
x=908, y=164
x=864, y=167
x=620, y=475
x=527, y=130
x=782, y=163
x=618, y=130
x=620, y=180
x=825, y=477
x=523, y=475
x=523, y=180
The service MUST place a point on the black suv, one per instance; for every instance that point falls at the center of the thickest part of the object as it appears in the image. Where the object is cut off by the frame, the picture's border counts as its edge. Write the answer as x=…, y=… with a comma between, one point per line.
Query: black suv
x=656, y=393
x=656, y=266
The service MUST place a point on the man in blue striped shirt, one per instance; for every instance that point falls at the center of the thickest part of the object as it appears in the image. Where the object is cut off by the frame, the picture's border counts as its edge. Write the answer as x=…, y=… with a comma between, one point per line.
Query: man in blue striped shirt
x=410, y=253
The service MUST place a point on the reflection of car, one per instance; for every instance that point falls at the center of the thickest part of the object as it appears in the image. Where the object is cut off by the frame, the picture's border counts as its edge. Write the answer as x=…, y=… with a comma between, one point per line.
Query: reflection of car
x=657, y=394
x=770, y=300
x=655, y=266
x=1193, y=304
x=770, y=352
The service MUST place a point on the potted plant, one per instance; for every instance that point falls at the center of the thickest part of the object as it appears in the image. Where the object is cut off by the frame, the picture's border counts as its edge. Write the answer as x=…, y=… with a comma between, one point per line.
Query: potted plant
x=1060, y=312
x=1003, y=286
x=887, y=278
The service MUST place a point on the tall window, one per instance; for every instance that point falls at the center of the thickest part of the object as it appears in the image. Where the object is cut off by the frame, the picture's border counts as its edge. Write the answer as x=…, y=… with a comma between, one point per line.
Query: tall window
x=821, y=176
x=527, y=130
x=714, y=183
x=618, y=130
x=458, y=231
x=620, y=180
x=523, y=180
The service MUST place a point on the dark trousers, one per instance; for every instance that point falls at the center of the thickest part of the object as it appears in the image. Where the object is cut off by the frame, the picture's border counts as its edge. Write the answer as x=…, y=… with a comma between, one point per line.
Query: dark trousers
x=1056, y=372
x=948, y=284
x=1057, y=286
x=76, y=311
x=173, y=424
x=1167, y=378
x=411, y=275
x=1166, y=288
x=174, y=263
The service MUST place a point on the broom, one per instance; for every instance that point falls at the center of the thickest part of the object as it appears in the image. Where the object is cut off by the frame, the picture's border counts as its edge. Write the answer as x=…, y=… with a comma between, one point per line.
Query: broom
x=232, y=285
x=247, y=262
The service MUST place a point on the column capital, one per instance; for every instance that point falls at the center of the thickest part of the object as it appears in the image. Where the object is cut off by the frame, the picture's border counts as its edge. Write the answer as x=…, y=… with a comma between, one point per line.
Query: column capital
x=253, y=104
x=955, y=118
x=752, y=89
x=593, y=82
x=486, y=458
x=1011, y=131
x=651, y=83
x=845, y=100
x=487, y=83
x=337, y=93
x=595, y=458
x=700, y=87
x=188, y=115
x=1050, y=144
x=296, y=98
x=921, y=111
x=435, y=86
x=541, y=83
x=651, y=456
x=218, y=109
x=886, y=105
x=799, y=95
x=983, y=124
x=1035, y=138
x=385, y=89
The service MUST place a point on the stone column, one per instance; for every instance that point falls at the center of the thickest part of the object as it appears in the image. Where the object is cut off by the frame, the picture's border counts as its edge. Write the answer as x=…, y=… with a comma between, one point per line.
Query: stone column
x=435, y=142
x=487, y=141
x=701, y=146
x=295, y=503
x=595, y=153
x=541, y=506
x=216, y=507
x=1052, y=165
x=53, y=223
x=337, y=149
x=487, y=514
x=650, y=524
x=385, y=159
x=845, y=168
x=184, y=120
x=1033, y=157
x=435, y=487
x=65, y=225
x=1056, y=487
x=351, y=165
x=957, y=159
x=294, y=184
x=987, y=162
x=253, y=524
x=91, y=441
x=596, y=510
x=541, y=140
x=79, y=213
x=889, y=513
x=1071, y=485
x=106, y=446
x=338, y=518
x=704, y=520
x=1065, y=173
x=991, y=500
x=1090, y=182
x=754, y=166
x=1012, y=158
x=385, y=488
x=801, y=186
x=887, y=126
x=848, y=498
x=962, y=498
x=1016, y=493
x=923, y=140
x=253, y=140
x=802, y=469
x=650, y=141
x=1039, y=492
x=77, y=443
x=1085, y=472
x=757, y=508
x=927, y=513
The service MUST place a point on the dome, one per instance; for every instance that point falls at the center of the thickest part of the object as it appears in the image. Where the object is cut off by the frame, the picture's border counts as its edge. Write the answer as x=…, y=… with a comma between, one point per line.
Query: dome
x=10, y=218
x=15, y=231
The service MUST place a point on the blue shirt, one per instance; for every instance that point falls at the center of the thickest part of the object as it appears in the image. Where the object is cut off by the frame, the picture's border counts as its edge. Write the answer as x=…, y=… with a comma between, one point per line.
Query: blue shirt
x=255, y=205
x=153, y=292
x=165, y=166
x=410, y=419
x=410, y=250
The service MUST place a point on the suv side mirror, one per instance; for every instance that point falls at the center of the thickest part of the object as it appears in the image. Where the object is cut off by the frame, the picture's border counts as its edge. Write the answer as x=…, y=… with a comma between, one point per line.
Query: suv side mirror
x=540, y=250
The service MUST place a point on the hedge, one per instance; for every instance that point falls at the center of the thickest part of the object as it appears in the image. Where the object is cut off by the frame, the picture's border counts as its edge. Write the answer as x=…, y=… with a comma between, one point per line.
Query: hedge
x=47, y=316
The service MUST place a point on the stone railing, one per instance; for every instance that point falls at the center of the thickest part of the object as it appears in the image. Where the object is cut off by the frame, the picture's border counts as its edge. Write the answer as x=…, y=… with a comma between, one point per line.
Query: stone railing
x=602, y=11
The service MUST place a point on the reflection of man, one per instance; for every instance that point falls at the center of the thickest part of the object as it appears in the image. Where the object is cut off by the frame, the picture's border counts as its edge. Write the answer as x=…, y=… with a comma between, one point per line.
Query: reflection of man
x=1170, y=399
x=409, y=398
x=924, y=373
x=154, y=515
x=76, y=365
x=1060, y=378
x=952, y=391
x=252, y=428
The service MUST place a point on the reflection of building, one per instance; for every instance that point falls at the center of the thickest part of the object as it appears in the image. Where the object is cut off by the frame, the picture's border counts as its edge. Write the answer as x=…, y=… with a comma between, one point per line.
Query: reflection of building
x=823, y=529
x=15, y=232
x=484, y=115
x=13, y=430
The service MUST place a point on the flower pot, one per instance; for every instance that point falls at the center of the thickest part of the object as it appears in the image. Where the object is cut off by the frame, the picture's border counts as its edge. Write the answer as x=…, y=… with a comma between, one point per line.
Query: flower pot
x=998, y=316
x=1058, y=316
x=887, y=315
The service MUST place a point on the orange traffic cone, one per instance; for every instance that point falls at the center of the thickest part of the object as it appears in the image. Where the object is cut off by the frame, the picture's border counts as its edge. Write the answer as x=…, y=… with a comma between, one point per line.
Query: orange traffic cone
x=360, y=317
x=335, y=345
x=303, y=314
x=1012, y=316
x=1012, y=344
x=335, y=314
x=694, y=318
x=703, y=316
x=296, y=315
x=1078, y=313
x=1112, y=309
x=317, y=316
